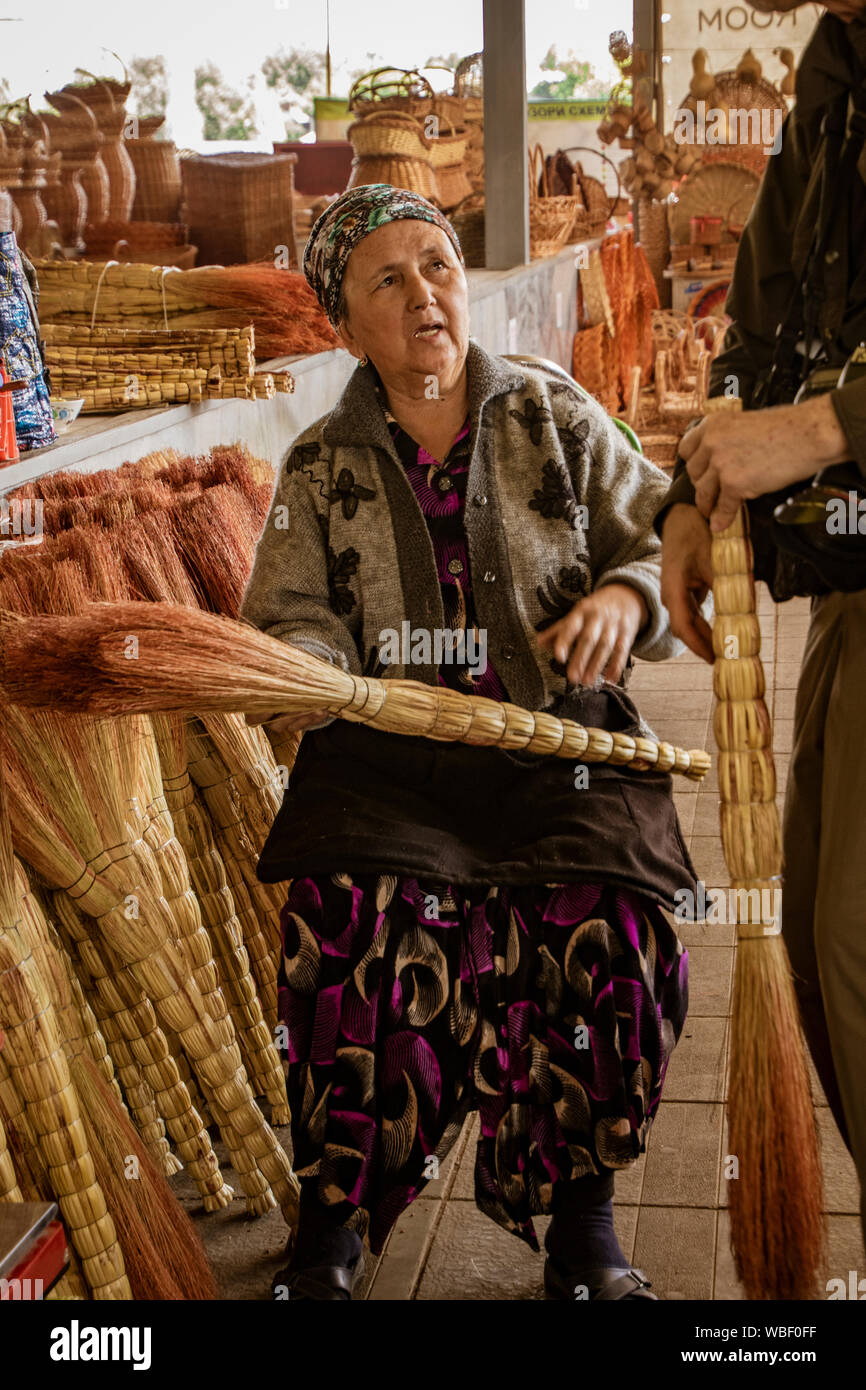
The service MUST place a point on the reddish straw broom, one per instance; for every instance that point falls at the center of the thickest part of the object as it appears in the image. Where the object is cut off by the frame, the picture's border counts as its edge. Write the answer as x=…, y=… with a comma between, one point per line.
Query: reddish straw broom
x=139, y=657
x=777, y=1226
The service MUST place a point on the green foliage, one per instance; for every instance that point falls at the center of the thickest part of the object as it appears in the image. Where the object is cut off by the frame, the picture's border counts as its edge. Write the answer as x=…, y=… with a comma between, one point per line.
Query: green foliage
x=297, y=77
x=579, y=81
x=228, y=114
x=149, y=79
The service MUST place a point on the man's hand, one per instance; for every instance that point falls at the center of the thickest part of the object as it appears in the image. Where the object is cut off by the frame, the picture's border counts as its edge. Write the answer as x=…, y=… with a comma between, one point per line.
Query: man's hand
x=687, y=576
x=287, y=723
x=733, y=457
x=599, y=632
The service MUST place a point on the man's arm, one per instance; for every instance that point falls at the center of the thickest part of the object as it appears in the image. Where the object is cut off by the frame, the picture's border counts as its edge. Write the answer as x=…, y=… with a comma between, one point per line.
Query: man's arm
x=761, y=289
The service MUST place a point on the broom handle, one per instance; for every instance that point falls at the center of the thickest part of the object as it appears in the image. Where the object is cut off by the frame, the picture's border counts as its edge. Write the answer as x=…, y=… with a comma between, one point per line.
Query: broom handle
x=519, y=729
x=751, y=837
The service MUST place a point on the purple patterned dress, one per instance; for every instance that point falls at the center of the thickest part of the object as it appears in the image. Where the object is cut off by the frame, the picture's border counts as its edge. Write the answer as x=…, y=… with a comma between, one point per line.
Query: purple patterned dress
x=552, y=1010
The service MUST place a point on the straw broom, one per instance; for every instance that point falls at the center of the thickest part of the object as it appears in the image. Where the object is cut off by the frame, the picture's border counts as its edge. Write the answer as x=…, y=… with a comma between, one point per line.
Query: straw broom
x=208, y=874
x=777, y=1225
x=132, y=657
x=164, y=1255
x=159, y=1246
x=139, y=1096
x=53, y=965
x=35, y=1058
x=157, y=573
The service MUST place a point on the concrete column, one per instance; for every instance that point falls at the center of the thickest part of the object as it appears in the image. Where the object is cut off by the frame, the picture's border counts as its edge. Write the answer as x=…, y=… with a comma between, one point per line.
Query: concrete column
x=506, y=173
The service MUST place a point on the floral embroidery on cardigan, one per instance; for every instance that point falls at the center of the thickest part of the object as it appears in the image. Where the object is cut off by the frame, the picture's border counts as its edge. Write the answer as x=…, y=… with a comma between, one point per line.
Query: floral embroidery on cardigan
x=555, y=497
x=340, y=568
x=558, y=597
x=348, y=493
x=533, y=418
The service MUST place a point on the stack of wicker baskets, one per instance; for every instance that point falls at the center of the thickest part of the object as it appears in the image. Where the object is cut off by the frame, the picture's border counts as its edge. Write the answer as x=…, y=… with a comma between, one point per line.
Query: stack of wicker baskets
x=133, y=369
x=391, y=147
x=106, y=99
x=410, y=136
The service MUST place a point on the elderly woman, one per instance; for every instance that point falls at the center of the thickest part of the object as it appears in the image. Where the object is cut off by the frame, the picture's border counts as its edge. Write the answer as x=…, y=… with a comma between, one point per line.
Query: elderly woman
x=467, y=928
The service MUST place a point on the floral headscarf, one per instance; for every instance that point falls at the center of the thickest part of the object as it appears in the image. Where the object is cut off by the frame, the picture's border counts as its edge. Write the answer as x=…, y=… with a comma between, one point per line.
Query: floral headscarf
x=346, y=222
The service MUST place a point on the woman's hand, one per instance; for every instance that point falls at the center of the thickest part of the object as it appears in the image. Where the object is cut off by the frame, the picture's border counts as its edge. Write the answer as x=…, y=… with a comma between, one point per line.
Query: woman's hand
x=599, y=632
x=287, y=723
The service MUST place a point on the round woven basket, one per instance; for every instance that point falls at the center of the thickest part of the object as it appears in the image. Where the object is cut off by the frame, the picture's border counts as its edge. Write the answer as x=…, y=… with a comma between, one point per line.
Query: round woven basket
x=415, y=174
x=390, y=134
x=392, y=89
x=600, y=205
x=157, y=180
x=448, y=150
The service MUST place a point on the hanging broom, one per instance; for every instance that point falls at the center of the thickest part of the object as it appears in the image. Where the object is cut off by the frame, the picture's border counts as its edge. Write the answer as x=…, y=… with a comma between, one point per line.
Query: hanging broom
x=776, y=1202
x=133, y=657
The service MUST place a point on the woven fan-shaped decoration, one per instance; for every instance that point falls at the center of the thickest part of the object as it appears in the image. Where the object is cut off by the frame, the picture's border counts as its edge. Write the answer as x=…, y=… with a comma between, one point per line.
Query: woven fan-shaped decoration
x=739, y=94
x=715, y=190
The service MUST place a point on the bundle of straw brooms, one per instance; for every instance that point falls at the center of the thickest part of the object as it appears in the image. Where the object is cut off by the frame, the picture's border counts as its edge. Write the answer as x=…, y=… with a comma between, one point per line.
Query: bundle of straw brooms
x=202, y=1014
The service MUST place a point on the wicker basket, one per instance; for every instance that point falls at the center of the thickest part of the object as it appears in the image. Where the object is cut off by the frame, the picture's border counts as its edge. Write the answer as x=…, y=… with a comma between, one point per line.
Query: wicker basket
x=391, y=133
x=467, y=219
x=394, y=89
x=599, y=205
x=158, y=184
x=550, y=219
x=239, y=207
x=415, y=174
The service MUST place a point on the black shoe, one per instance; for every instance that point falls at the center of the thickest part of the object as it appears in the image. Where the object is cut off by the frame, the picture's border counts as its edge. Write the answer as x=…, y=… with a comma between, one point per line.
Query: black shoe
x=608, y=1283
x=330, y=1272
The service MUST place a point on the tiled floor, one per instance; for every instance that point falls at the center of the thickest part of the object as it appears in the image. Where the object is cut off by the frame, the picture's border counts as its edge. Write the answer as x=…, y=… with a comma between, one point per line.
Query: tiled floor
x=671, y=1212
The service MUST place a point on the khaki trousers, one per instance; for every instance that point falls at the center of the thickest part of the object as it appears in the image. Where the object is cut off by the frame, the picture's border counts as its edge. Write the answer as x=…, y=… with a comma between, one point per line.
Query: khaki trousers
x=824, y=903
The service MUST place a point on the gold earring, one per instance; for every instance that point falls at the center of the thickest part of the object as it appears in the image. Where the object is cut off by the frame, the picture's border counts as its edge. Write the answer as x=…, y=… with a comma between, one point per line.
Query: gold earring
x=362, y=361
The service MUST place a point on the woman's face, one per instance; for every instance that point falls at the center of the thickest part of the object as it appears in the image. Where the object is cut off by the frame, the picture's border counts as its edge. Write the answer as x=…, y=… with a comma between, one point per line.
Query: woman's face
x=407, y=303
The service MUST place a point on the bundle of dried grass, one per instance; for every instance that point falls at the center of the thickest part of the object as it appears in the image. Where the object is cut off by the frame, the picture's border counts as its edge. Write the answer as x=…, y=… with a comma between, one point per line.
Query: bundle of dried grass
x=285, y=314
x=186, y=660
x=777, y=1227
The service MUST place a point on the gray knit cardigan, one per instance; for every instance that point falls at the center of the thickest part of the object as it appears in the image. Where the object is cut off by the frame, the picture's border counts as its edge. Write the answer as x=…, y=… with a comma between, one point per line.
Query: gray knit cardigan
x=557, y=504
